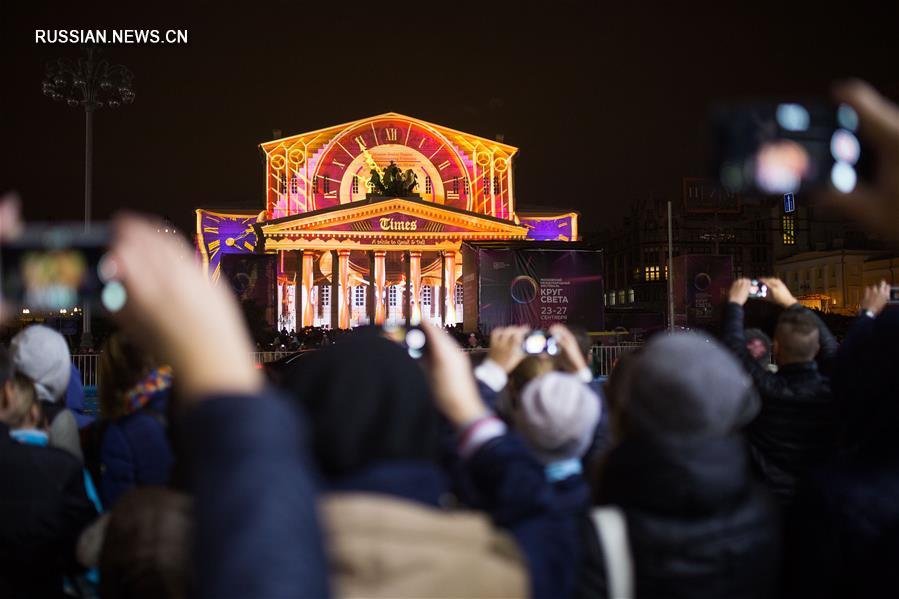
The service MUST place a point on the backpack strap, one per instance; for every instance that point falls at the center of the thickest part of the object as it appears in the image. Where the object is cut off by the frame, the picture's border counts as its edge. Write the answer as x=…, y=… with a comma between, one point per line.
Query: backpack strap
x=611, y=528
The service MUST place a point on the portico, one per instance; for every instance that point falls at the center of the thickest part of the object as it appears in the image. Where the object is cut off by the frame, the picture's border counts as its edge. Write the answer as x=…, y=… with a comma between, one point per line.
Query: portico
x=387, y=260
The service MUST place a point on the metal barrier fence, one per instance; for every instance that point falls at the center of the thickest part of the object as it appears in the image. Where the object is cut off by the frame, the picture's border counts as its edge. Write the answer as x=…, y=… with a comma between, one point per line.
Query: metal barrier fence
x=88, y=365
x=604, y=358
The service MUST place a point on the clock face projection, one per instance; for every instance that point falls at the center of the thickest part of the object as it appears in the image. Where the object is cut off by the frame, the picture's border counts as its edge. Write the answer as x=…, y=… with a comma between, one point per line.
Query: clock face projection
x=324, y=169
x=221, y=233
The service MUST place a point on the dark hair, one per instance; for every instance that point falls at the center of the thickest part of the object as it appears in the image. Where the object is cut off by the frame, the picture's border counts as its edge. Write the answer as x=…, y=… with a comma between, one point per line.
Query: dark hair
x=122, y=365
x=6, y=367
x=759, y=335
x=797, y=336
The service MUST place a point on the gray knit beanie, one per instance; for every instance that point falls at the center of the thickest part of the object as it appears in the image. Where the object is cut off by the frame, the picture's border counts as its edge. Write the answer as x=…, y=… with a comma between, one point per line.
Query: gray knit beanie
x=557, y=415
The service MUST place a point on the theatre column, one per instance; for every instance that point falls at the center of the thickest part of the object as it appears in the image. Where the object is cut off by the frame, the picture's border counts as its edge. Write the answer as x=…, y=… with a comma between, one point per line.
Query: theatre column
x=307, y=308
x=378, y=287
x=415, y=285
x=449, y=288
x=343, y=317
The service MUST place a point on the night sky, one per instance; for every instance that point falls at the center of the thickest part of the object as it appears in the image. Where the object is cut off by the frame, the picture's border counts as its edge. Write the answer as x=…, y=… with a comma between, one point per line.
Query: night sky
x=607, y=101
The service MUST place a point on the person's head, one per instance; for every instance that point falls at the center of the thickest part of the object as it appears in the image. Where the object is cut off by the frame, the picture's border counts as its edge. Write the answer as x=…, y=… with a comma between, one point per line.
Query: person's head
x=681, y=385
x=367, y=402
x=556, y=413
x=41, y=354
x=796, y=338
x=122, y=365
x=19, y=407
x=147, y=546
x=472, y=340
x=758, y=344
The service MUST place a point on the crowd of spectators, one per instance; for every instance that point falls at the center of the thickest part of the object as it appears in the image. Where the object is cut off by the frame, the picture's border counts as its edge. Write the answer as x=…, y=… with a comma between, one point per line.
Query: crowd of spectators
x=753, y=465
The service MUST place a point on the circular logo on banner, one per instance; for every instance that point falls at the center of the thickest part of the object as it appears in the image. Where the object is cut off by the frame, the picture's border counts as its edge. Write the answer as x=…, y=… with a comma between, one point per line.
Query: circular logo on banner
x=523, y=289
x=702, y=281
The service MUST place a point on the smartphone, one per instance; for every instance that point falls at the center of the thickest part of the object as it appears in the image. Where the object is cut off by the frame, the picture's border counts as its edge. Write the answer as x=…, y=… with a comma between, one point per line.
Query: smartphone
x=757, y=289
x=894, y=294
x=50, y=268
x=539, y=342
x=413, y=339
x=782, y=147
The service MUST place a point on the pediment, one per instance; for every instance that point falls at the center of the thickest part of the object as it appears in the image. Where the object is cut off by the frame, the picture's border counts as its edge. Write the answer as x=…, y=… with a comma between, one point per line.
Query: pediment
x=392, y=217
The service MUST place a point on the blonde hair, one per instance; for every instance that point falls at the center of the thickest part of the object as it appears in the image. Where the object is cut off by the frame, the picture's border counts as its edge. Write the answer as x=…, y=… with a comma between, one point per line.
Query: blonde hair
x=25, y=406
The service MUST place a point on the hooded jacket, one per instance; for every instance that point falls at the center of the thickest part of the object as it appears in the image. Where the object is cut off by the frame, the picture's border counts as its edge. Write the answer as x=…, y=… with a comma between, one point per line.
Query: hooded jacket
x=697, y=523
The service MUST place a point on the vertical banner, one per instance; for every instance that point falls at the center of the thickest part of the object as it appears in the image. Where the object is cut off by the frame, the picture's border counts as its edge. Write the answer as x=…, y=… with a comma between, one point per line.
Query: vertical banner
x=540, y=287
x=254, y=279
x=701, y=282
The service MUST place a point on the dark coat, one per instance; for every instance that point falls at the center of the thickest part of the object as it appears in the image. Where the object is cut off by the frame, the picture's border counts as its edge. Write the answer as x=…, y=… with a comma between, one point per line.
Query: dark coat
x=697, y=523
x=135, y=451
x=797, y=426
x=846, y=536
x=256, y=527
x=43, y=508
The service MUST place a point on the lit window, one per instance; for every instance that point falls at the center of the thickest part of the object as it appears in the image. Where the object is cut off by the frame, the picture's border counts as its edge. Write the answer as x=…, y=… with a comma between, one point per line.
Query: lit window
x=788, y=225
x=426, y=295
x=612, y=298
x=428, y=184
x=630, y=296
x=359, y=295
x=392, y=295
x=651, y=273
x=460, y=294
x=355, y=184
x=621, y=296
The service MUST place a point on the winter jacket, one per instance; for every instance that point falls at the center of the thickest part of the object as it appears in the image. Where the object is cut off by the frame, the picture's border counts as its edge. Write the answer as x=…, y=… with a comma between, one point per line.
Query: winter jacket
x=43, y=508
x=75, y=399
x=256, y=524
x=846, y=537
x=382, y=546
x=135, y=451
x=797, y=426
x=697, y=524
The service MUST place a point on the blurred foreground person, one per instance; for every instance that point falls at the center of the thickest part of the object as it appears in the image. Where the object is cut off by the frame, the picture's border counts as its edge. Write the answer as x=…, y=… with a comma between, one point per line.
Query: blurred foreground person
x=43, y=355
x=256, y=528
x=377, y=439
x=847, y=515
x=146, y=546
x=134, y=394
x=695, y=523
x=43, y=505
x=797, y=426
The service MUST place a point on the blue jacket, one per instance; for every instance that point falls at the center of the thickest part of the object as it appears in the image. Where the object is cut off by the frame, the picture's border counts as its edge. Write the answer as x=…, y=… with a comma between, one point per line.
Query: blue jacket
x=75, y=399
x=544, y=518
x=257, y=532
x=135, y=451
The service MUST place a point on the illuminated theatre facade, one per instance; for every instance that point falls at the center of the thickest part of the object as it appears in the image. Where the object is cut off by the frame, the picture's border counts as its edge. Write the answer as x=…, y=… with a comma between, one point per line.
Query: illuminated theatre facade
x=347, y=255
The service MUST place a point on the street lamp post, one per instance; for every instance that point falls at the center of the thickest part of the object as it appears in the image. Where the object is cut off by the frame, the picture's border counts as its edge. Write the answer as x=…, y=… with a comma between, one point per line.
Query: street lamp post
x=90, y=83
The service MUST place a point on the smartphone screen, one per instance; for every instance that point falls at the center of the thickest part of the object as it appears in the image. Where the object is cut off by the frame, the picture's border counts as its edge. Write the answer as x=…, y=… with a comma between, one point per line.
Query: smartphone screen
x=50, y=268
x=779, y=148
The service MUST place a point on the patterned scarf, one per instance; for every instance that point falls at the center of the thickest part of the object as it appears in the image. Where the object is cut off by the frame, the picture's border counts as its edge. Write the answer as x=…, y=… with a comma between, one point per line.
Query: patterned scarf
x=144, y=392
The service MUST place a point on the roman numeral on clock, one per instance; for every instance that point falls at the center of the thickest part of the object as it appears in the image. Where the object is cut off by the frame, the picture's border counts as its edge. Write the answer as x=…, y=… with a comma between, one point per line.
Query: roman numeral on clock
x=338, y=163
x=391, y=133
x=443, y=165
x=359, y=140
x=331, y=194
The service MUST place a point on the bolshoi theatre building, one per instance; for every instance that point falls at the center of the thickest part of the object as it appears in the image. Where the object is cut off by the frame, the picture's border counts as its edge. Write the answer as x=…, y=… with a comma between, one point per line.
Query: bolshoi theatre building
x=363, y=222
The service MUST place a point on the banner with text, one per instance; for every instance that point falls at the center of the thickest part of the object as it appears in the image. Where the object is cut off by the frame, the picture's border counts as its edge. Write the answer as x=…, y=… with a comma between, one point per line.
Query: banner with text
x=540, y=288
